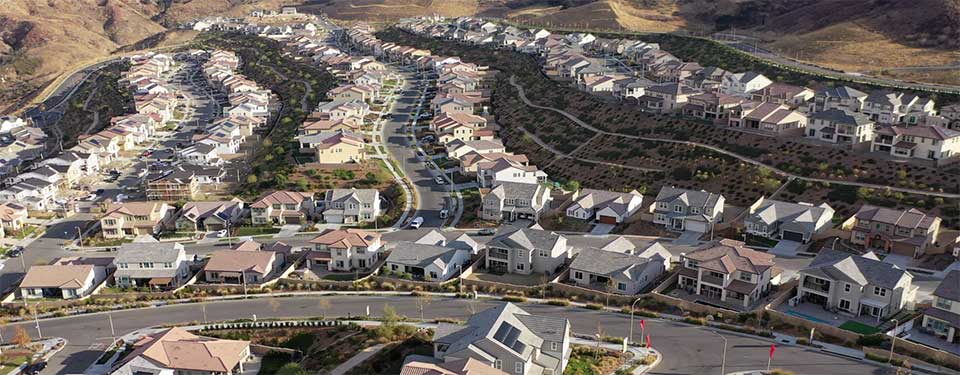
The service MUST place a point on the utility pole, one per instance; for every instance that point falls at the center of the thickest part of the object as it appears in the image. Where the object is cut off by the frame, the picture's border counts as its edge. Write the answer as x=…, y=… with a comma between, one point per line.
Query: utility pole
x=79, y=239
x=113, y=332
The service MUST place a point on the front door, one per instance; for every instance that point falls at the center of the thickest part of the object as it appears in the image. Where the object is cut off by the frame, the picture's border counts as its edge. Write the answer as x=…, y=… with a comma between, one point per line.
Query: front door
x=678, y=224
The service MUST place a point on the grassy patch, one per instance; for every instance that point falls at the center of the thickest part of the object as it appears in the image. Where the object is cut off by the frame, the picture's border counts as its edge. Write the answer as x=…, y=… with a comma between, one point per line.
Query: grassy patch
x=340, y=277
x=254, y=231
x=586, y=361
x=858, y=327
x=758, y=241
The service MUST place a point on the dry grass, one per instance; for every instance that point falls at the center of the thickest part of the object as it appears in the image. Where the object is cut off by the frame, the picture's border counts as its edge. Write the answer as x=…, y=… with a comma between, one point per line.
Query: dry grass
x=852, y=47
x=386, y=10
x=951, y=77
x=605, y=15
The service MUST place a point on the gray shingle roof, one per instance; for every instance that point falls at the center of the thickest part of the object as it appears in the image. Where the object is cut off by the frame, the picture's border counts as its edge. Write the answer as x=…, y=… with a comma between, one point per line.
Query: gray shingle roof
x=949, y=288
x=842, y=117
x=420, y=255
x=526, y=238
x=160, y=252
x=610, y=263
x=860, y=270
x=693, y=198
x=771, y=211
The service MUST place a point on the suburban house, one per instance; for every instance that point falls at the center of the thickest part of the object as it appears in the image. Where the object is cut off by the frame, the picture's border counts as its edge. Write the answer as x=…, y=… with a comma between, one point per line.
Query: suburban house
x=241, y=266
x=506, y=170
x=886, y=107
x=943, y=317
x=905, y=232
x=336, y=147
x=527, y=251
x=13, y=216
x=843, y=98
x=771, y=118
x=350, y=206
x=176, y=351
x=837, y=126
x=727, y=271
x=161, y=265
x=779, y=220
x=428, y=262
x=782, y=93
x=345, y=250
x=508, y=339
x=282, y=207
x=617, y=270
x=743, y=84
x=134, y=219
x=209, y=216
x=511, y=201
x=457, y=148
x=608, y=207
x=931, y=142
x=467, y=366
x=65, y=278
x=462, y=241
x=683, y=209
x=856, y=284
x=667, y=97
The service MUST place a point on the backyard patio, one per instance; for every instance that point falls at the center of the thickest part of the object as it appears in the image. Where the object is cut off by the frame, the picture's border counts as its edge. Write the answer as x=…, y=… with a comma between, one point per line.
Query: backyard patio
x=816, y=313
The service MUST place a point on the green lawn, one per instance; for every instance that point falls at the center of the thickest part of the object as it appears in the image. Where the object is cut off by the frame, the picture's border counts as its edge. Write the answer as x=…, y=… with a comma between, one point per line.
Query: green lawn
x=340, y=277
x=253, y=231
x=858, y=327
x=583, y=361
x=7, y=364
x=753, y=240
x=26, y=231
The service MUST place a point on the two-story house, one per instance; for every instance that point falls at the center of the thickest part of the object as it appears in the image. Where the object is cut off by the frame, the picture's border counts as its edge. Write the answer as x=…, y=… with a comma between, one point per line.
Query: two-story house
x=282, y=207
x=838, y=126
x=797, y=222
x=134, y=219
x=336, y=147
x=886, y=107
x=511, y=201
x=345, y=250
x=209, y=216
x=687, y=210
x=843, y=98
x=931, y=142
x=350, y=206
x=161, y=265
x=943, y=317
x=905, y=232
x=856, y=284
x=527, y=251
x=742, y=84
x=727, y=271
x=506, y=170
x=509, y=339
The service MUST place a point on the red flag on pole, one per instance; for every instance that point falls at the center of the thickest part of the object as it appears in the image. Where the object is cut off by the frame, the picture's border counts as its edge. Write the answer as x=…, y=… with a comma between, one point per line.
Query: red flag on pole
x=643, y=324
x=648, y=342
x=773, y=349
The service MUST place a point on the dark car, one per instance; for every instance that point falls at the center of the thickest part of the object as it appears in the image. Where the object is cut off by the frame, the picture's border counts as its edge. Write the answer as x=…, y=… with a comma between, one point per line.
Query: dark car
x=34, y=368
x=487, y=232
x=15, y=252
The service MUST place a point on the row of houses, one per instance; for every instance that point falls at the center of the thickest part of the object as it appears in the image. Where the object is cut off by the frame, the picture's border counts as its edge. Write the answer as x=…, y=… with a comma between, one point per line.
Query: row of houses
x=890, y=122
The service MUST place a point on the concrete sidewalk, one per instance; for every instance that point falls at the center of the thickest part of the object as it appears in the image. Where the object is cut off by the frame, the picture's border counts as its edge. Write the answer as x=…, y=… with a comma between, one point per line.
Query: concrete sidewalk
x=343, y=368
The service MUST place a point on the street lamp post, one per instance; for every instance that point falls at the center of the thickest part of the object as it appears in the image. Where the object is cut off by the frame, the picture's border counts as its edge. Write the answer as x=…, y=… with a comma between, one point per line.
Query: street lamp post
x=631, y=318
x=723, y=360
x=79, y=236
x=894, y=342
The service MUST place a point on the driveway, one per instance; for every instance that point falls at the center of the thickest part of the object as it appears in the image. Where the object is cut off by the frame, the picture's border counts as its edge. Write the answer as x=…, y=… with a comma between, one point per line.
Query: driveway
x=288, y=230
x=901, y=261
x=784, y=248
x=688, y=238
x=601, y=228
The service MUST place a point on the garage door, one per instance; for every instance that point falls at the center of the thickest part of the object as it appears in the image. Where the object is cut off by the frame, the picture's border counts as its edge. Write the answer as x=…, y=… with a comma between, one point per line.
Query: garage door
x=696, y=226
x=792, y=236
x=608, y=219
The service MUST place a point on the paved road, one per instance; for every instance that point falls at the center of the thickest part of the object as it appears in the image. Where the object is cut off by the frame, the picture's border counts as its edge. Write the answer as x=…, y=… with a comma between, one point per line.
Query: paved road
x=432, y=197
x=742, y=158
x=686, y=349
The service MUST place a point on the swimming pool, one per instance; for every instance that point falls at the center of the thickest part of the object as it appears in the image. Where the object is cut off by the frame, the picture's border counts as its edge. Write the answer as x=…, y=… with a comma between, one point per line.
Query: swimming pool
x=807, y=317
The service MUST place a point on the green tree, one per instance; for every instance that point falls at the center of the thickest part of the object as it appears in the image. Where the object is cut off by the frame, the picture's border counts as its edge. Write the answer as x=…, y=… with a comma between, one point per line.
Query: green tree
x=571, y=185
x=372, y=178
x=252, y=179
x=292, y=368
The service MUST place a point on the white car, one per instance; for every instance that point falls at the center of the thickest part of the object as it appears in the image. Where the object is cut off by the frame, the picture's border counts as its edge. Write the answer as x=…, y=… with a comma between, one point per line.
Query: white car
x=439, y=180
x=444, y=213
x=222, y=233
x=416, y=223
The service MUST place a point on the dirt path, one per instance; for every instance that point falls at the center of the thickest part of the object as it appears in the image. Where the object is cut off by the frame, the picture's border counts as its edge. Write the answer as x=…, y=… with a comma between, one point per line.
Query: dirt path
x=307, y=89
x=560, y=155
x=86, y=107
x=742, y=158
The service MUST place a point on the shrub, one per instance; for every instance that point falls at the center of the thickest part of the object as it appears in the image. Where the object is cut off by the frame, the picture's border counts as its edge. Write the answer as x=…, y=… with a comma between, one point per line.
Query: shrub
x=698, y=321
x=594, y=306
x=514, y=299
x=558, y=302
x=870, y=340
x=649, y=359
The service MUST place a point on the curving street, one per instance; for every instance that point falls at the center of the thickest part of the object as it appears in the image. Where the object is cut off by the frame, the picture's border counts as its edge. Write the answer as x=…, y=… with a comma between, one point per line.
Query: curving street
x=687, y=349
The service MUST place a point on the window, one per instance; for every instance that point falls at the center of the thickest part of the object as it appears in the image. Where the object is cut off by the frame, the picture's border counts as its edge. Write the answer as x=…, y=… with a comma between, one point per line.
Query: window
x=577, y=275
x=944, y=303
x=497, y=364
x=518, y=367
x=879, y=291
x=394, y=267
x=146, y=265
x=433, y=275
x=621, y=286
x=846, y=287
x=544, y=253
x=844, y=305
x=520, y=266
x=664, y=205
x=520, y=253
x=746, y=276
x=554, y=346
x=168, y=265
x=123, y=265
x=694, y=210
x=678, y=208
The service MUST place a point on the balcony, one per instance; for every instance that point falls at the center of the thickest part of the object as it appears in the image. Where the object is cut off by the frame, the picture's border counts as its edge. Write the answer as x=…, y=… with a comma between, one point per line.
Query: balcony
x=497, y=255
x=808, y=283
x=712, y=280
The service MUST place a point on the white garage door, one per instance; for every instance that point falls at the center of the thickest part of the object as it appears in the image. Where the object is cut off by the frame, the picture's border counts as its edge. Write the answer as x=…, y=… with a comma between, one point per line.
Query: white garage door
x=696, y=226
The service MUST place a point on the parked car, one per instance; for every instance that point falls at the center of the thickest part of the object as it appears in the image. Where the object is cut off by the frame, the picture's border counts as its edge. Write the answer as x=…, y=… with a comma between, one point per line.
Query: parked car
x=439, y=180
x=487, y=232
x=15, y=252
x=34, y=368
x=416, y=222
x=444, y=213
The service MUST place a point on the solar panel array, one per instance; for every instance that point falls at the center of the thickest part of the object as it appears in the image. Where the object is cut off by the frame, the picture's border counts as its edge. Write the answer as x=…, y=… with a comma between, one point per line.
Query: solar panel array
x=507, y=335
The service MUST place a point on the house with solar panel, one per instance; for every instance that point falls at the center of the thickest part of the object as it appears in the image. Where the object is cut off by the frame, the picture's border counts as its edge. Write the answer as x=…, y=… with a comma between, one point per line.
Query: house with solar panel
x=508, y=339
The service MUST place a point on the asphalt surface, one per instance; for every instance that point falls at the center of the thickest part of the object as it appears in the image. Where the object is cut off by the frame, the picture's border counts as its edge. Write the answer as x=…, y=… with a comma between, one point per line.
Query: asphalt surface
x=687, y=349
